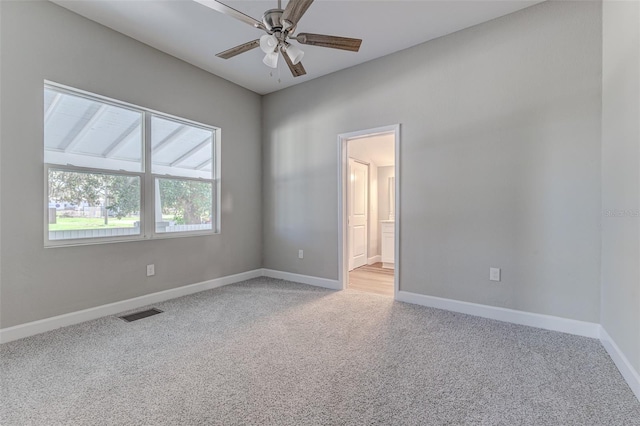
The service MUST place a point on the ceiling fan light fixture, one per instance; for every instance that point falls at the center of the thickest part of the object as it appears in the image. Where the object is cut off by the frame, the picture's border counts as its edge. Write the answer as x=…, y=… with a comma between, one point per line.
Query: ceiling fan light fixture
x=281, y=25
x=268, y=43
x=294, y=53
x=271, y=59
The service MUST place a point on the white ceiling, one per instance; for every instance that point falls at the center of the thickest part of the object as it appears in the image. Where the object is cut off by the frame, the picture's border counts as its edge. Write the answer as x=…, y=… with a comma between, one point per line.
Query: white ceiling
x=194, y=33
x=378, y=149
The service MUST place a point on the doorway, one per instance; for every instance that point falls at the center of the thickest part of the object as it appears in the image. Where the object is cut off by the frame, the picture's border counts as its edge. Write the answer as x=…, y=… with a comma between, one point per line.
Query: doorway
x=368, y=210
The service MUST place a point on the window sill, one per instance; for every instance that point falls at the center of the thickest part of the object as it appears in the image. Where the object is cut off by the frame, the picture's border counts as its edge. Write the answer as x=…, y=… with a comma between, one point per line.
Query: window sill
x=92, y=242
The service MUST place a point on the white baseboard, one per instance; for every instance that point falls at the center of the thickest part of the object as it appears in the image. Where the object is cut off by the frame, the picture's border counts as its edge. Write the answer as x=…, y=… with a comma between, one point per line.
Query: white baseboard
x=303, y=279
x=374, y=259
x=48, y=324
x=547, y=322
x=626, y=369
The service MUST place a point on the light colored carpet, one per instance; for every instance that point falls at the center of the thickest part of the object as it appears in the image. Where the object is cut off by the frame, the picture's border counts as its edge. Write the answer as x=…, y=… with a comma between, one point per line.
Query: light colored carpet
x=273, y=352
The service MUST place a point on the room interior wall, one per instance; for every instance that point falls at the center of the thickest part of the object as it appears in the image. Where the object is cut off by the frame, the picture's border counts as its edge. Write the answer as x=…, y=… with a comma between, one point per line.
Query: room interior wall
x=562, y=44
x=40, y=40
x=500, y=167
x=0, y=166
x=621, y=176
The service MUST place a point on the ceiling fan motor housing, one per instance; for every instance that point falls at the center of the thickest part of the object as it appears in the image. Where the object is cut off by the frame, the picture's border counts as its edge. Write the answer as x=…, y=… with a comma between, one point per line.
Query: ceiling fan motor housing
x=272, y=20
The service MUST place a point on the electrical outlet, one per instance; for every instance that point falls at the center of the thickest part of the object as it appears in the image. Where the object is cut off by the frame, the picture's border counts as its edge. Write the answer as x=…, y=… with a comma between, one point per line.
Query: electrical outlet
x=494, y=274
x=300, y=254
x=151, y=270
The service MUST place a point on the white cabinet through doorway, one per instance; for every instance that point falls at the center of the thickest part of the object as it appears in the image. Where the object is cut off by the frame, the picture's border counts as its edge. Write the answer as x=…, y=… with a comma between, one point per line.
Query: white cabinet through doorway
x=388, y=243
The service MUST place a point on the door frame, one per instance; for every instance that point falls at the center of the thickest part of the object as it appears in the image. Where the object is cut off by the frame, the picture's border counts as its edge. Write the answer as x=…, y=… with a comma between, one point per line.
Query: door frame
x=343, y=164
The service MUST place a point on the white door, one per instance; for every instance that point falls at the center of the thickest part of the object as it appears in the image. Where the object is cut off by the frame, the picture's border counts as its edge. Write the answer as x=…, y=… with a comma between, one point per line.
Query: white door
x=358, y=202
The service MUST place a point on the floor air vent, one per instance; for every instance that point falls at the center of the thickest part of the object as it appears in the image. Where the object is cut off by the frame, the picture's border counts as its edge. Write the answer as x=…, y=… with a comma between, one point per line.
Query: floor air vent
x=141, y=314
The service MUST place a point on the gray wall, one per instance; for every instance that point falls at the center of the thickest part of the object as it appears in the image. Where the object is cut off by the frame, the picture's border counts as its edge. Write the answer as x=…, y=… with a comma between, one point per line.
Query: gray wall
x=500, y=166
x=43, y=41
x=1, y=95
x=499, y=157
x=620, y=176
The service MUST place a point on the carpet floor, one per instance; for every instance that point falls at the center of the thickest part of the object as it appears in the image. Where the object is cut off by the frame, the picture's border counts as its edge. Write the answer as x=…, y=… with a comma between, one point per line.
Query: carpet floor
x=269, y=351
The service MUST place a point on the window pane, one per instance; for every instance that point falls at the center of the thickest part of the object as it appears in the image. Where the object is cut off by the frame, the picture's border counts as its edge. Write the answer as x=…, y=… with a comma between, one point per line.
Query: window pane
x=183, y=205
x=92, y=205
x=90, y=133
x=181, y=149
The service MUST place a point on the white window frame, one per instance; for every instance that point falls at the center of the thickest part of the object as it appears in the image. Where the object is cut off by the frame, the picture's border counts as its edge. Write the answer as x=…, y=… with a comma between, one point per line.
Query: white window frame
x=147, y=178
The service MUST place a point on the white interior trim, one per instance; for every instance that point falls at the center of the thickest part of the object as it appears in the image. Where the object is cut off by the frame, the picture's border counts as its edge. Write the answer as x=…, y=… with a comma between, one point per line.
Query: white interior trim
x=40, y=326
x=374, y=259
x=626, y=369
x=397, y=213
x=36, y=327
x=547, y=322
x=303, y=279
x=343, y=162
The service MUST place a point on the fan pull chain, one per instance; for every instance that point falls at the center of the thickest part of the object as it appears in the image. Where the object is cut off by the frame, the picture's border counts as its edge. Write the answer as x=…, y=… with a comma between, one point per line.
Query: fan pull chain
x=272, y=76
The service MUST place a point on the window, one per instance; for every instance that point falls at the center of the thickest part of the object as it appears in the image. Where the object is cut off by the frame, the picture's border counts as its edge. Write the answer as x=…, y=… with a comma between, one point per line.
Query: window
x=182, y=166
x=116, y=172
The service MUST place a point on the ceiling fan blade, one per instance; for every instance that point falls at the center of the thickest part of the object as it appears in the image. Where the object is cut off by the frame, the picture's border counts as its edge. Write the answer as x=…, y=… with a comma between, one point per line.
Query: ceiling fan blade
x=343, y=43
x=295, y=9
x=230, y=53
x=297, y=70
x=227, y=10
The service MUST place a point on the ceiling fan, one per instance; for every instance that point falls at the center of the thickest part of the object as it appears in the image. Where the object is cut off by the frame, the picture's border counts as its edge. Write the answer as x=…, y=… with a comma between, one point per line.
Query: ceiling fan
x=280, y=26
